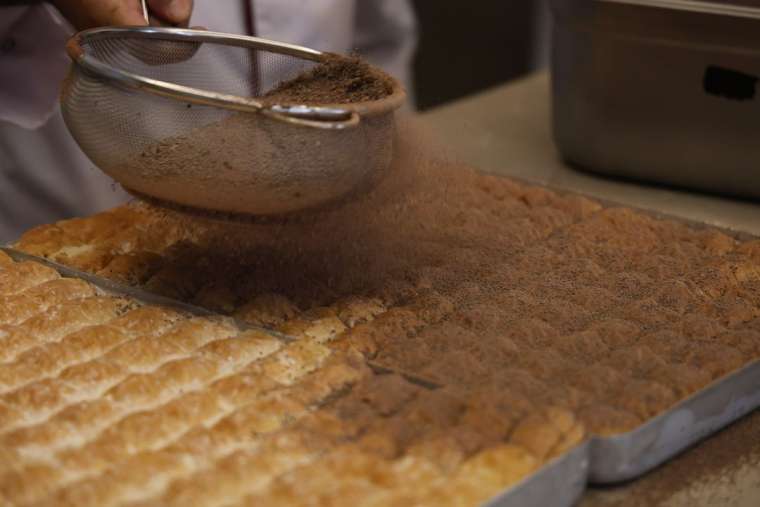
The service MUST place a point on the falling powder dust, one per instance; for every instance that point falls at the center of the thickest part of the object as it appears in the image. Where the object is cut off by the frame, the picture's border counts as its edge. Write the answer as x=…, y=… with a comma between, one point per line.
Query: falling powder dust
x=518, y=296
x=337, y=80
x=511, y=292
x=227, y=144
x=487, y=275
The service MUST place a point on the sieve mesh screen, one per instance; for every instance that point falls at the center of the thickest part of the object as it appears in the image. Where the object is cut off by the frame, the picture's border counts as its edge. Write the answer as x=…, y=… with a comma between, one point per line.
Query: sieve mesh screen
x=220, y=68
x=136, y=123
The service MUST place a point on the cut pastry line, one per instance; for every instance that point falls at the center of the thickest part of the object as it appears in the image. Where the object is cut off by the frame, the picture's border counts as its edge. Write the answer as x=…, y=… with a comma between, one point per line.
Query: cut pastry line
x=55, y=374
x=170, y=397
x=39, y=340
x=210, y=460
x=40, y=307
x=44, y=308
x=16, y=278
x=61, y=367
x=106, y=285
x=221, y=452
x=147, y=298
x=118, y=289
x=258, y=483
x=411, y=377
x=170, y=394
x=130, y=369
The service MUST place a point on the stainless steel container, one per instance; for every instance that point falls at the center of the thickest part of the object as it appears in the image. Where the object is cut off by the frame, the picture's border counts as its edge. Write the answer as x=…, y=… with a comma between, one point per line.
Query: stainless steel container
x=660, y=90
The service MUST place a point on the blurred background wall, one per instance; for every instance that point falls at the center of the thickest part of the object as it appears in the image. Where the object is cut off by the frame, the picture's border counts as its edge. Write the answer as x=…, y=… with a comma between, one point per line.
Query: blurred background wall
x=465, y=48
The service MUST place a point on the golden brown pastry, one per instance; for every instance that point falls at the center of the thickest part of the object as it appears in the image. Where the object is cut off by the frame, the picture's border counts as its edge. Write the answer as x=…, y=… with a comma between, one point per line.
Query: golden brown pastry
x=5, y=260
x=59, y=321
x=132, y=268
x=267, y=310
x=535, y=315
x=21, y=276
x=34, y=300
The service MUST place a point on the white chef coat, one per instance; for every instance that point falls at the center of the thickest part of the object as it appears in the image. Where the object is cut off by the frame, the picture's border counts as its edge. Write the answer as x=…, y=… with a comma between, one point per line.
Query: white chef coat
x=44, y=176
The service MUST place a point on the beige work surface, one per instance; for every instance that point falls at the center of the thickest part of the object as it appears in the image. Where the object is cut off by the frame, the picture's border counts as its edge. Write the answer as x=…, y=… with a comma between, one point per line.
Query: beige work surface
x=507, y=130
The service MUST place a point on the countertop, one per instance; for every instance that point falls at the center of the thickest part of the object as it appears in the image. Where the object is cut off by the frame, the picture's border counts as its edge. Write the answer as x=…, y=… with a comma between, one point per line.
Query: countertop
x=507, y=130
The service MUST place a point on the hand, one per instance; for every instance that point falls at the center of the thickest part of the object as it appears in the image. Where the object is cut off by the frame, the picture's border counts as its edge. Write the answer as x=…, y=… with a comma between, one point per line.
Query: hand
x=93, y=13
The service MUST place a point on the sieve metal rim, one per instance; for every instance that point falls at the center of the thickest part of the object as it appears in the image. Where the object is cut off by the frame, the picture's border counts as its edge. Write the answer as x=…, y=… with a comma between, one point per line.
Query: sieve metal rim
x=331, y=117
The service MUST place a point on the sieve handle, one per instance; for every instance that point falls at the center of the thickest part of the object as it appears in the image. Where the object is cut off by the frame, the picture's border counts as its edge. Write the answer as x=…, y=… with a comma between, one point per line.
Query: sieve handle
x=326, y=121
x=322, y=117
x=145, y=11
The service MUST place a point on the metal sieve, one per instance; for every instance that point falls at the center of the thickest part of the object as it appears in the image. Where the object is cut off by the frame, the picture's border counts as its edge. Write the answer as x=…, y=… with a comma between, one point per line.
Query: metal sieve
x=180, y=116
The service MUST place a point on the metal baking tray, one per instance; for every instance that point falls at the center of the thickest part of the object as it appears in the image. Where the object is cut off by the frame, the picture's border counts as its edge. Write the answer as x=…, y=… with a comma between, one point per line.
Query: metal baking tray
x=601, y=460
x=559, y=483
x=626, y=456
x=630, y=455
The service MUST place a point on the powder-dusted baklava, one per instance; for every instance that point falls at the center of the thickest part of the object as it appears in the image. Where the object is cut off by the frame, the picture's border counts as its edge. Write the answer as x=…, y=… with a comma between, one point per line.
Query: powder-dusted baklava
x=477, y=283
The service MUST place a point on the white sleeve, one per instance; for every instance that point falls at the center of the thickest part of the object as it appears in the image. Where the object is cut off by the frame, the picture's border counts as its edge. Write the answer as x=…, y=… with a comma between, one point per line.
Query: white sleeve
x=386, y=35
x=33, y=63
x=326, y=25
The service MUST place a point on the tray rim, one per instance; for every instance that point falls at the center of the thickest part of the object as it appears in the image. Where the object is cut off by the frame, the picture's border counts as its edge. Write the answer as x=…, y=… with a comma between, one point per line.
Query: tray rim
x=736, y=233
x=572, y=468
x=627, y=470
x=632, y=471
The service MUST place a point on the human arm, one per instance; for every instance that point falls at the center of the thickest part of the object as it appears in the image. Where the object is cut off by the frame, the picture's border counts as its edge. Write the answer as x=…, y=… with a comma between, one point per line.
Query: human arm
x=33, y=60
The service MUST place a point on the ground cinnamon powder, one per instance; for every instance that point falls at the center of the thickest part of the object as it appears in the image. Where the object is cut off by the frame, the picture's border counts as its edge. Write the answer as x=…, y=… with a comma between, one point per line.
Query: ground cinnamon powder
x=226, y=143
x=499, y=290
x=336, y=80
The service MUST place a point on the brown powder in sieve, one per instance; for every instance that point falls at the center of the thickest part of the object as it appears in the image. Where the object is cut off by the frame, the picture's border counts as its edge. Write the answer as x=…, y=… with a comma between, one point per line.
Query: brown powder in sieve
x=337, y=80
x=225, y=145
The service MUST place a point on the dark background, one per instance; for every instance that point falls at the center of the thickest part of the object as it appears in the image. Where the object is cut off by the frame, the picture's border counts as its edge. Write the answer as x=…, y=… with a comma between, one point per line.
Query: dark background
x=465, y=47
